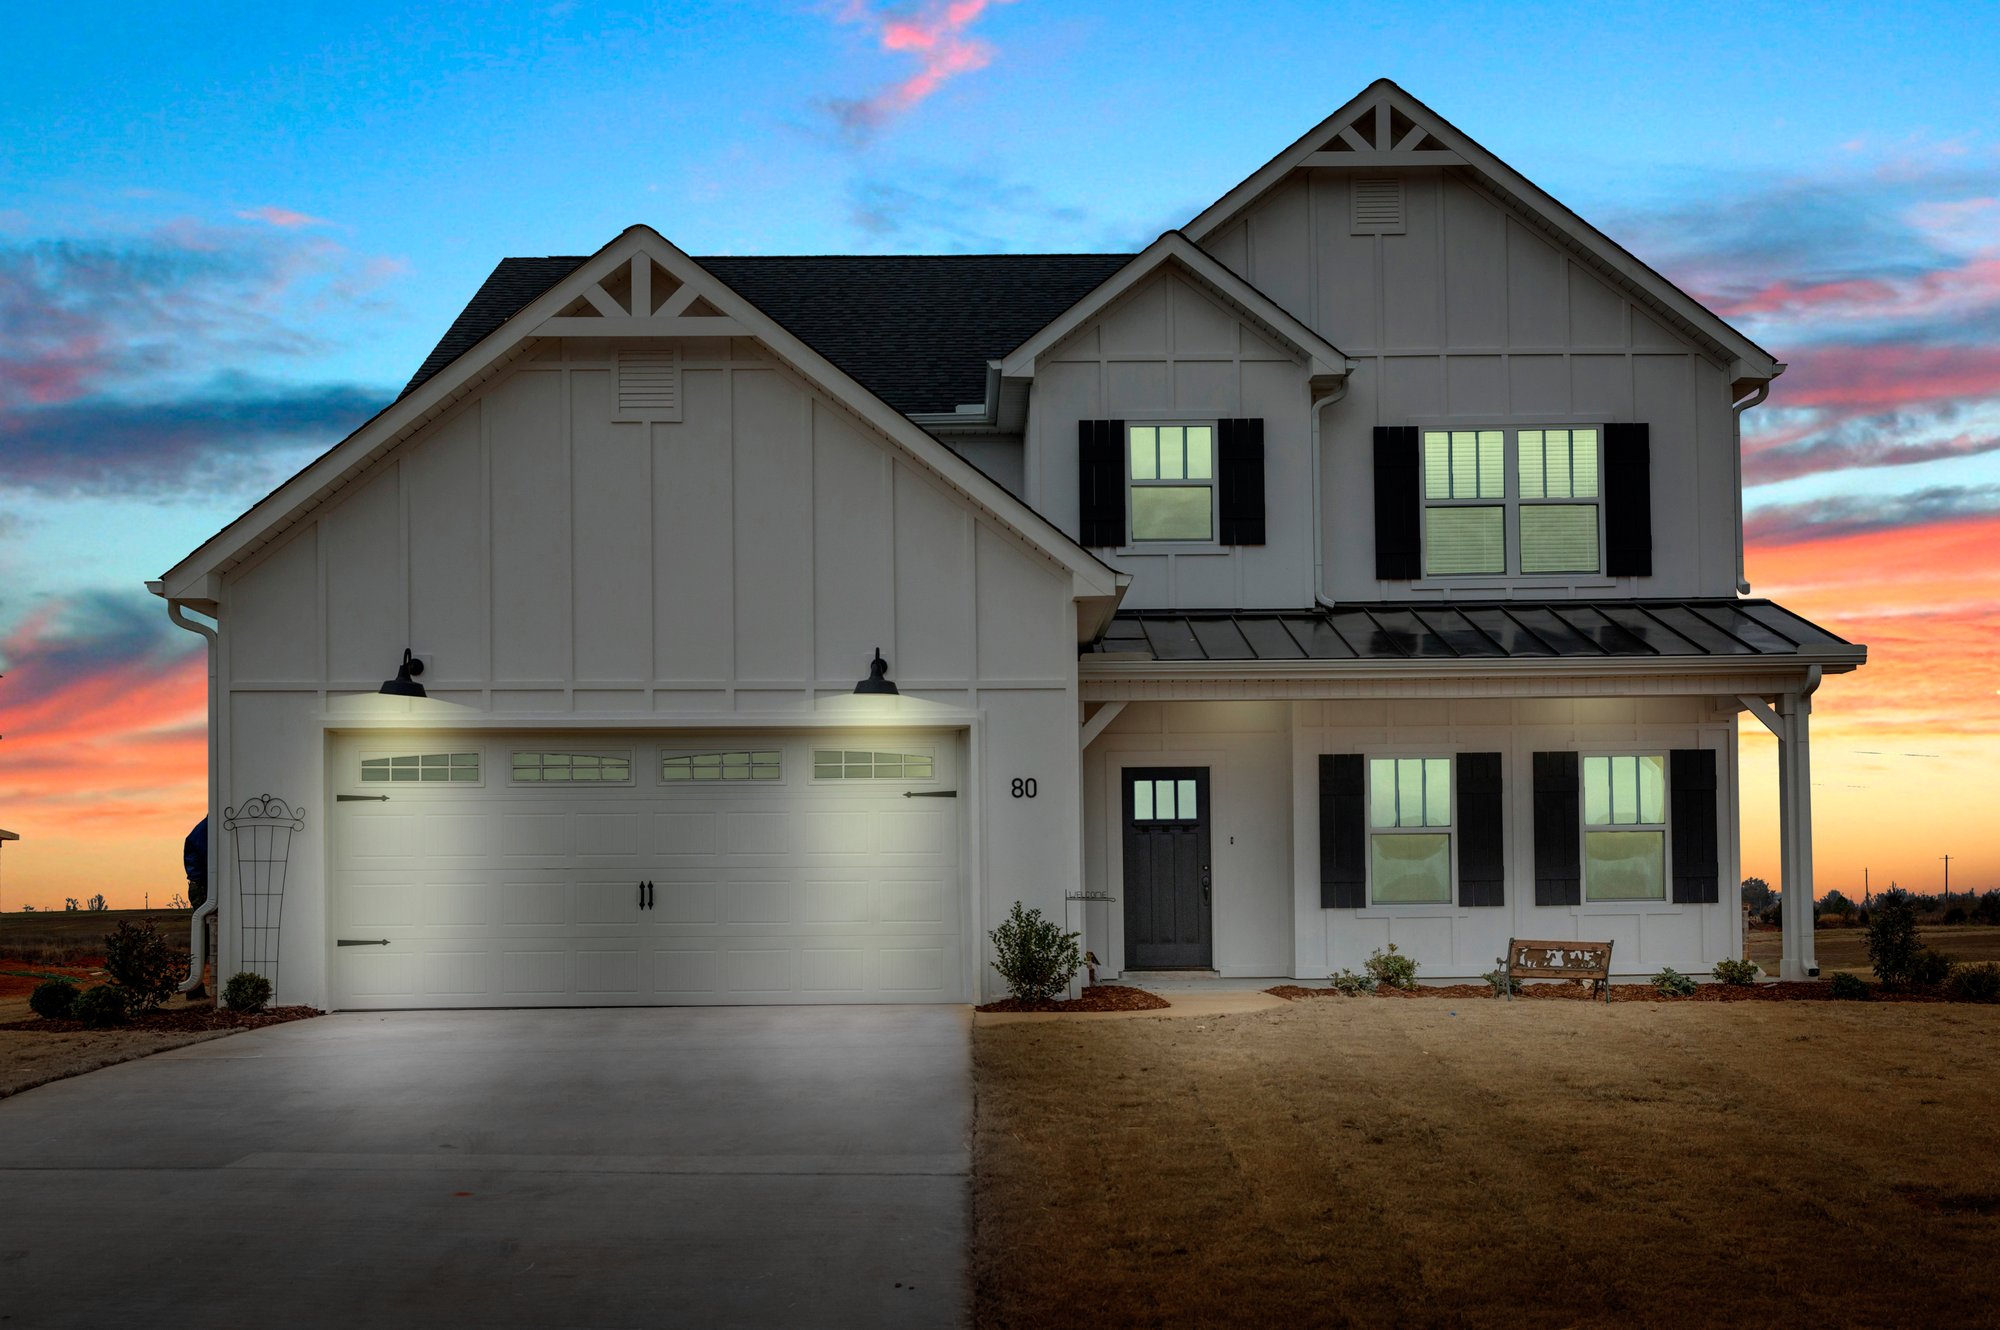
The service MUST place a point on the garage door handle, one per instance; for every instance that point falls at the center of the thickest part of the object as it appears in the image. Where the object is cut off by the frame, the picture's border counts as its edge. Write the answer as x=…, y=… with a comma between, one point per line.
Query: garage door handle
x=361, y=942
x=645, y=895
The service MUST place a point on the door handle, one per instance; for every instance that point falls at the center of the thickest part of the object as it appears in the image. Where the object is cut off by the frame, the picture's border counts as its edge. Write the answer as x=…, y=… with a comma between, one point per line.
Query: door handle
x=1204, y=884
x=649, y=894
x=642, y=895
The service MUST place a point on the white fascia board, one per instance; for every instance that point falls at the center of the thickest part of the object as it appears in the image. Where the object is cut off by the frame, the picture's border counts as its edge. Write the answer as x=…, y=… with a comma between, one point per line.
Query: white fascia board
x=1831, y=662
x=319, y=479
x=1752, y=362
x=1323, y=359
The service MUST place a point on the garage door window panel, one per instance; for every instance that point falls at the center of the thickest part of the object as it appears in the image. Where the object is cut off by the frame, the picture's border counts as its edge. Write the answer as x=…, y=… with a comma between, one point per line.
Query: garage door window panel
x=420, y=769
x=540, y=767
x=861, y=765
x=732, y=766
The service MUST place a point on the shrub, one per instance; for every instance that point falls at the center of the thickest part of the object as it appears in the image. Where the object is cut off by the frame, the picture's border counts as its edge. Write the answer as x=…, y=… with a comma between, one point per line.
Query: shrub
x=1670, y=982
x=53, y=1000
x=1736, y=973
x=1391, y=967
x=142, y=961
x=1974, y=983
x=1502, y=983
x=1929, y=968
x=1988, y=909
x=1349, y=984
x=1033, y=954
x=103, y=1006
x=1849, y=987
x=1892, y=937
x=249, y=991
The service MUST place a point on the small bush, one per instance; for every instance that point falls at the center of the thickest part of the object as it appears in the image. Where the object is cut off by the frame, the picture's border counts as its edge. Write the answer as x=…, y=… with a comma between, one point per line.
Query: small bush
x=53, y=1000
x=102, y=1007
x=1955, y=915
x=1850, y=987
x=1391, y=967
x=1349, y=984
x=1892, y=937
x=144, y=963
x=1974, y=983
x=1988, y=909
x=1670, y=982
x=1735, y=972
x=1929, y=968
x=1502, y=983
x=249, y=991
x=1033, y=954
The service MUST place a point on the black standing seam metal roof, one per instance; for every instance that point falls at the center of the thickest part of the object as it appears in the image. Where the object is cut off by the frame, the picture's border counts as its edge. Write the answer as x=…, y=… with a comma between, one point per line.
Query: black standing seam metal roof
x=1489, y=629
x=914, y=329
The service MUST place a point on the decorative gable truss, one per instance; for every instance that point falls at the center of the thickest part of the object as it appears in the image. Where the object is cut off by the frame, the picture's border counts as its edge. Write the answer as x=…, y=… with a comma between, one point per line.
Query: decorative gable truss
x=1380, y=133
x=639, y=298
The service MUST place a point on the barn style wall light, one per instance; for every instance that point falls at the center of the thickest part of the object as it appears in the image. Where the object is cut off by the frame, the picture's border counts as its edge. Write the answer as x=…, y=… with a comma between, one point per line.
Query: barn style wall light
x=405, y=683
x=877, y=682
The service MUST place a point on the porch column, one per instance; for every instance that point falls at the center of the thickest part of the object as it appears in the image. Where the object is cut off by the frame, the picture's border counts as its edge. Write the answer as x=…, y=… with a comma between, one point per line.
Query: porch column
x=1791, y=722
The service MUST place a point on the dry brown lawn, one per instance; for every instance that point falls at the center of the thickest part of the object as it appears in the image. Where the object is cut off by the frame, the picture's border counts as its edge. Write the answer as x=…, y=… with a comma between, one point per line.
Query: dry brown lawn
x=1371, y=1162
x=1847, y=948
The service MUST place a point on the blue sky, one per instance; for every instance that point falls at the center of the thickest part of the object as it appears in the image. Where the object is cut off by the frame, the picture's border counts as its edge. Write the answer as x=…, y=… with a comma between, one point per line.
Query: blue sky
x=229, y=232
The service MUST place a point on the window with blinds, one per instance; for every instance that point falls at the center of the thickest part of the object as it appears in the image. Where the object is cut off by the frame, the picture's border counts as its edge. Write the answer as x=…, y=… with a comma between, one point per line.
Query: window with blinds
x=1547, y=521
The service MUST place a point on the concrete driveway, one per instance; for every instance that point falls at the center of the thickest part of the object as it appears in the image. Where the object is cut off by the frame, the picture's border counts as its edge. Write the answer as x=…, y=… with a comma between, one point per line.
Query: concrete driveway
x=764, y=1167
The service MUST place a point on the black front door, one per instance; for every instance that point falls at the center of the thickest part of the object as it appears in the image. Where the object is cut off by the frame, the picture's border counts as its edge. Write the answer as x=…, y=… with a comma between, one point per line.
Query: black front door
x=1166, y=869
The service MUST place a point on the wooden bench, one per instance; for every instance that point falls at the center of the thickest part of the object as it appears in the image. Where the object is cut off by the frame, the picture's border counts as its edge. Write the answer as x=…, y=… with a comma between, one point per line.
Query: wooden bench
x=1575, y=961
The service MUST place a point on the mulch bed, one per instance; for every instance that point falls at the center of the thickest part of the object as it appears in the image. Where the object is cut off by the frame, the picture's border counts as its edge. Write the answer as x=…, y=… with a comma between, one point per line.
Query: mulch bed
x=1809, y=991
x=1097, y=997
x=178, y=1020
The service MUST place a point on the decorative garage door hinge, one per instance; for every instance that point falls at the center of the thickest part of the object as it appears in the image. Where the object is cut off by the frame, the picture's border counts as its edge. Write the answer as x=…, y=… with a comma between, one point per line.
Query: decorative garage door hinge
x=360, y=798
x=930, y=794
x=361, y=942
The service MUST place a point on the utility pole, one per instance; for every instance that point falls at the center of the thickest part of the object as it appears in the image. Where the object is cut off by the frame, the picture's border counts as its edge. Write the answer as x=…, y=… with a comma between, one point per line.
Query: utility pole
x=1947, y=881
x=1866, y=895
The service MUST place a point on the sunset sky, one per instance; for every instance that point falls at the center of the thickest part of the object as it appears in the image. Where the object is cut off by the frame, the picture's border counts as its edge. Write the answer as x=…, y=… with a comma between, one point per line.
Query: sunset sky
x=228, y=233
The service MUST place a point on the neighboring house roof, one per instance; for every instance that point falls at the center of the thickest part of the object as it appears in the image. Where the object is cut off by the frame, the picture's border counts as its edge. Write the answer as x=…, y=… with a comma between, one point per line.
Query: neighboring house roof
x=1486, y=630
x=1385, y=127
x=917, y=330
x=726, y=313
x=1322, y=358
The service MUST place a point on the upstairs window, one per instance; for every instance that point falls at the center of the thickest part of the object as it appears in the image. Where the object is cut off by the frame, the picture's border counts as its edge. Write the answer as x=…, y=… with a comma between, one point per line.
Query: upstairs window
x=1172, y=469
x=1547, y=522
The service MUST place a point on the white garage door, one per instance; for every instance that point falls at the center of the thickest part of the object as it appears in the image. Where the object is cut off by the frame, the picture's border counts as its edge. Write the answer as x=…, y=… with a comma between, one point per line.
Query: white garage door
x=538, y=871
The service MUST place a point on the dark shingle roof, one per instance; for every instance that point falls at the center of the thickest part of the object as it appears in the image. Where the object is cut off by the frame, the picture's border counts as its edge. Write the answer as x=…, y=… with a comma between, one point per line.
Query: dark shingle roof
x=914, y=329
x=1490, y=629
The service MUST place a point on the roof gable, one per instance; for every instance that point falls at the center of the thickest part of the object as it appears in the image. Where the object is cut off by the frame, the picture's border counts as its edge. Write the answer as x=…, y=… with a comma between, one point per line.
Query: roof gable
x=1385, y=127
x=640, y=285
x=1322, y=359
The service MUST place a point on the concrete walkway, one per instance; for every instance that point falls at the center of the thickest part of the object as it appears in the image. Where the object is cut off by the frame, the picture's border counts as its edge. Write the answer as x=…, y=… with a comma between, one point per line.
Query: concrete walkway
x=724, y=1167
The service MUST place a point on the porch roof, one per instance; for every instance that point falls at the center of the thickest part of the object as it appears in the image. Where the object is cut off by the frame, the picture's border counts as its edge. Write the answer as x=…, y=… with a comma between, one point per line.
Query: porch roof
x=1438, y=631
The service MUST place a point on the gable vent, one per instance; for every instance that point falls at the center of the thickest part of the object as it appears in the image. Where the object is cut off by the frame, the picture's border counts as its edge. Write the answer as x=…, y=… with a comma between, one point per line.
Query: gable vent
x=649, y=385
x=1377, y=204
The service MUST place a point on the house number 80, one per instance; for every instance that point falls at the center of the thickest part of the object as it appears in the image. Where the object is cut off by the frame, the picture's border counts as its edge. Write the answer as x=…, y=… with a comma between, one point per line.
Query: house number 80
x=1024, y=789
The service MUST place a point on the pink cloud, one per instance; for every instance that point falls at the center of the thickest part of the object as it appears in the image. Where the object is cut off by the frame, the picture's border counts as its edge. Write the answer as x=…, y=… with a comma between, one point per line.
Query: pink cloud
x=282, y=217
x=936, y=35
x=1891, y=375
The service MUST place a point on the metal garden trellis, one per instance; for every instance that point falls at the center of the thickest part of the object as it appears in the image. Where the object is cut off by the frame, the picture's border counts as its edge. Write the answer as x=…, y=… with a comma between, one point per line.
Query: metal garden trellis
x=263, y=828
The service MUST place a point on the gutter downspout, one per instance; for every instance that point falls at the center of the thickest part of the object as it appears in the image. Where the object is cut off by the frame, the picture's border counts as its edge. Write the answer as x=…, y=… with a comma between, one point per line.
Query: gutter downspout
x=1318, y=498
x=1736, y=436
x=198, y=922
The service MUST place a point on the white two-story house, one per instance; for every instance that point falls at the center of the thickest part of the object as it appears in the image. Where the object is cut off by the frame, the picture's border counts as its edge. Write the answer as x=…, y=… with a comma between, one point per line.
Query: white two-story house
x=1360, y=563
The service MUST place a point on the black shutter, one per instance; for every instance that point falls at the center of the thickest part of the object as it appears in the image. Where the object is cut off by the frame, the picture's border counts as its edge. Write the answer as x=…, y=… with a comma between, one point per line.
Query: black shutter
x=1482, y=863
x=1697, y=867
x=1100, y=482
x=1240, y=472
x=1558, y=866
x=1399, y=545
x=1343, y=885
x=1628, y=501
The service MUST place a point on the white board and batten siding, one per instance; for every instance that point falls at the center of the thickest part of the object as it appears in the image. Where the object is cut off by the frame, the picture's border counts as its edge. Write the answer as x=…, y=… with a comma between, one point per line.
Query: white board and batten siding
x=1468, y=314
x=731, y=567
